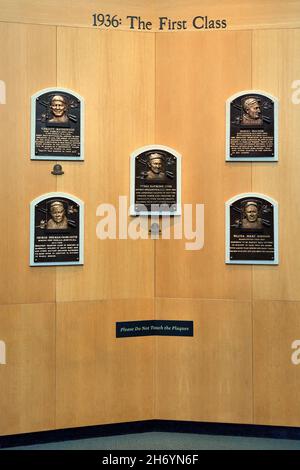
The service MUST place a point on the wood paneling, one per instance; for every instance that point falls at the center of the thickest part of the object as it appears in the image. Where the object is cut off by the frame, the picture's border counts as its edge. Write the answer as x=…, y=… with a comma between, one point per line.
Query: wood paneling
x=102, y=379
x=28, y=64
x=72, y=12
x=276, y=379
x=258, y=14
x=27, y=380
x=142, y=88
x=276, y=65
x=195, y=76
x=207, y=377
x=117, y=81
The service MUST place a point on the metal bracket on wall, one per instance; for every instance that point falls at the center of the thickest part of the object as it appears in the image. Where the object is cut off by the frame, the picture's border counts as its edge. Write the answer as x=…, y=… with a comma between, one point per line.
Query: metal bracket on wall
x=57, y=170
x=155, y=230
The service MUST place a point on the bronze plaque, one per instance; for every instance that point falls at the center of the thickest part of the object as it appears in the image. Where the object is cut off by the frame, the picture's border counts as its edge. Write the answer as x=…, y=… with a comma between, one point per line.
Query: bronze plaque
x=155, y=181
x=252, y=133
x=56, y=230
x=57, y=125
x=251, y=230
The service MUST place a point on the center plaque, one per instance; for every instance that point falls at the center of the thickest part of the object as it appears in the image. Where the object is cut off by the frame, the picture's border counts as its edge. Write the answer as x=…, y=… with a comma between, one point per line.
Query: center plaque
x=56, y=230
x=57, y=116
x=251, y=229
x=252, y=127
x=155, y=181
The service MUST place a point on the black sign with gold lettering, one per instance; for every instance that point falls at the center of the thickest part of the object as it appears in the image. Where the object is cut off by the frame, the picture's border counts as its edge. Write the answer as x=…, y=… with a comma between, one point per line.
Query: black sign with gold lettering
x=154, y=328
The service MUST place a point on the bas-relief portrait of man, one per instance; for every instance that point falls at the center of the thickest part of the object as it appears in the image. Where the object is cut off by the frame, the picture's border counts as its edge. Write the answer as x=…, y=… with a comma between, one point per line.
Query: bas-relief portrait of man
x=251, y=115
x=156, y=165
x=57, y=214
x=250, y=216
x=59, y=108
x=58, y=219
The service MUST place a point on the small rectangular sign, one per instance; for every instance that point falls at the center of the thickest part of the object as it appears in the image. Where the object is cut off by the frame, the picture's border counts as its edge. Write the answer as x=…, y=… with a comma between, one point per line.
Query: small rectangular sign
x=154, y=328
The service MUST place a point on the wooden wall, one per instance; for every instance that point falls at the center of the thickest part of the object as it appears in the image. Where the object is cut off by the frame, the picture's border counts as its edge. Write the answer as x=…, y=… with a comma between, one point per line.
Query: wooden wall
x=238, y=367
x=65, y=367
x=64, y=364
x=241, y=15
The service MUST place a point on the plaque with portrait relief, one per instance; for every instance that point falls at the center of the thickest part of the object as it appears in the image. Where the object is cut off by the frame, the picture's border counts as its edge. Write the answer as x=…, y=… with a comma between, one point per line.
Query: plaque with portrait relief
x=251, y=229
x=155, y=181
x=57, y=119
x=252, y=127
x=56, y=230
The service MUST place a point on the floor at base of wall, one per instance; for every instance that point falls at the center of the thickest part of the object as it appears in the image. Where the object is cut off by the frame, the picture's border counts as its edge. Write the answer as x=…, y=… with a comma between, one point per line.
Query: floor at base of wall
x=168, y=441
x=158, y=435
